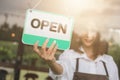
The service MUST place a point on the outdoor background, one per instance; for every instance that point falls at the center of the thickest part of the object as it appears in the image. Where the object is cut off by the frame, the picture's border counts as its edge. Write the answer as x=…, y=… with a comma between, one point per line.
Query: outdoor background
x=19, y=59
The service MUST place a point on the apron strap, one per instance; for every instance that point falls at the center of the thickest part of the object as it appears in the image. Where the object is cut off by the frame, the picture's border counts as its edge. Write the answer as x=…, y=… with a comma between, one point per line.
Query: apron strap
x=105, y=68
x=77, y=65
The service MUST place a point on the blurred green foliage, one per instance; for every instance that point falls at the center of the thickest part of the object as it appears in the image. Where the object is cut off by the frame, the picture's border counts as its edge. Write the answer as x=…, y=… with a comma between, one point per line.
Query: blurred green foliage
x=8, y=50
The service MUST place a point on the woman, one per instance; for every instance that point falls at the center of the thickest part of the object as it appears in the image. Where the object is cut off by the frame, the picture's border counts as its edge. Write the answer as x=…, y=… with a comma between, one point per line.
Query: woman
x=83, y=63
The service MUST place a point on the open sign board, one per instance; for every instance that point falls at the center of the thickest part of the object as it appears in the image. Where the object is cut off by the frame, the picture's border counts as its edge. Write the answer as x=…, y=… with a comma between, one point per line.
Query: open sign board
x=41, y=25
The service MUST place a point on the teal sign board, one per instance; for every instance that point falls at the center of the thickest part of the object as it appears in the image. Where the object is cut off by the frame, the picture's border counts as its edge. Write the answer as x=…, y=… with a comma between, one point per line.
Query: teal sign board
x=41, y=25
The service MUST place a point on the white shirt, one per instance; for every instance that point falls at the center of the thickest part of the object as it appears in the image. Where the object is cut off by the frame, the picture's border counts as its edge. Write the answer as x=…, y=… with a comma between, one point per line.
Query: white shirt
x=68, y=61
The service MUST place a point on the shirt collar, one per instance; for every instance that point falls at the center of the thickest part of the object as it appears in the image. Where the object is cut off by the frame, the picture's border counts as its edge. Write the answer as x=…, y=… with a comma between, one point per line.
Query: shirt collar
x=81, y=49
x=98, y=59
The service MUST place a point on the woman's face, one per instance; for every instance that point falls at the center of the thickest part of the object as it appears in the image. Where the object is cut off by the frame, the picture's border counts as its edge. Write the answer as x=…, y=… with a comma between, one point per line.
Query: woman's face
x=88, y=38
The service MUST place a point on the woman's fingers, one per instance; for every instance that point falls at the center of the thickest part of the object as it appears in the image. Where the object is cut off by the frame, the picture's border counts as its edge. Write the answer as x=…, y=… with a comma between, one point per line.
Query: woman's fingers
x=51, y=47
x=44, y=45
x=54, y=50
x=43, y=52
x=35, y=48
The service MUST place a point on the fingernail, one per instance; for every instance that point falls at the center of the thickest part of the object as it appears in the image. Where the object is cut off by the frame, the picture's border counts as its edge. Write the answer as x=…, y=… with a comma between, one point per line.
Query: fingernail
x=54, y=41
x=47, y=39
x=57, y=45
x=38, y=41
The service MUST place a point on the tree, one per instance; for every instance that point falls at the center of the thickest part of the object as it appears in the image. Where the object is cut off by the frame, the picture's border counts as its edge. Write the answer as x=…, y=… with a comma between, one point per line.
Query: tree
x=4, y=31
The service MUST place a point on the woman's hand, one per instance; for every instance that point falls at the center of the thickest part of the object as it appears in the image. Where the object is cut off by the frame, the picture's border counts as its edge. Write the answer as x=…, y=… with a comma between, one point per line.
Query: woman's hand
x=44, y=53
x=48, y=56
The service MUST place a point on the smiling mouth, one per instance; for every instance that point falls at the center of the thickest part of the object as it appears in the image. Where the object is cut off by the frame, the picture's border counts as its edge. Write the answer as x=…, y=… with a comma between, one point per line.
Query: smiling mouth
x=89, y=40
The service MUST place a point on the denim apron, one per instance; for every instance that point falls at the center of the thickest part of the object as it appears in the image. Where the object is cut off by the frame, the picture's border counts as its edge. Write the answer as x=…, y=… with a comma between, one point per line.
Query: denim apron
x=87, y=76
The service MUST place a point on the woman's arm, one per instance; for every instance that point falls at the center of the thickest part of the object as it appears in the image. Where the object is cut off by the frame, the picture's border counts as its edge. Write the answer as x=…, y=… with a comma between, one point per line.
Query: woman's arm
x=115, y=72
x=56, y=68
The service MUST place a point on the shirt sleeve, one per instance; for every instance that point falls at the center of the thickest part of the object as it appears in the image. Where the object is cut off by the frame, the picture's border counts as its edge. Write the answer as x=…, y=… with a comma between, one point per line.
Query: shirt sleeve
x=115, y=72
x=55, y=76
x=113, y=69
x=64, y=62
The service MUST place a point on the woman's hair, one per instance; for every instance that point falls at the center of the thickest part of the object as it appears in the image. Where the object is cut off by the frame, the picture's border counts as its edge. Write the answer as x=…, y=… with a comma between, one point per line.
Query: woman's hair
x=99, y=47
x=75, y=45
x=96, y=44
x=75, y=42
x=103, y=47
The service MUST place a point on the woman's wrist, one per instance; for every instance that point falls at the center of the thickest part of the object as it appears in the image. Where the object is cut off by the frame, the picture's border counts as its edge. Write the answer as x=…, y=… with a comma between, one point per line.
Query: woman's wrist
x=51, y=62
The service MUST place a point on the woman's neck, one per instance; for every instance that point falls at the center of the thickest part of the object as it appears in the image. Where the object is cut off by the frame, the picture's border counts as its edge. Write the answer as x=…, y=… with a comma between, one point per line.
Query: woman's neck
x=90, y=53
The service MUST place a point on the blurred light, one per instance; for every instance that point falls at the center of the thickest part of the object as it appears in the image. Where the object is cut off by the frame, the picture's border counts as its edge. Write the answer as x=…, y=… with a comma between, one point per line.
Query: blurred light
x=12, y=34
x=77, y=6
x=110, y=43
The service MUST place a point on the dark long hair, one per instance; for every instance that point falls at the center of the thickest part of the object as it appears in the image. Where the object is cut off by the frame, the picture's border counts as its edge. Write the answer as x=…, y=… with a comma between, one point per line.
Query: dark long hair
x=103, y=47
